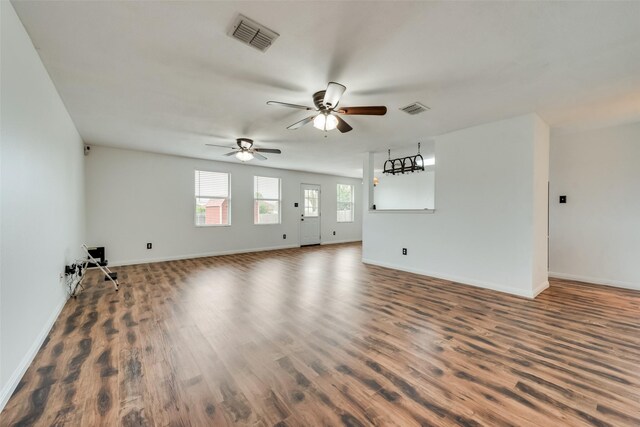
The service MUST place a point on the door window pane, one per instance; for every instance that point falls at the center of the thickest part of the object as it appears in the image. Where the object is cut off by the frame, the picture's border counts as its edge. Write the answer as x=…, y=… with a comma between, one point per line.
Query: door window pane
x=311, y=204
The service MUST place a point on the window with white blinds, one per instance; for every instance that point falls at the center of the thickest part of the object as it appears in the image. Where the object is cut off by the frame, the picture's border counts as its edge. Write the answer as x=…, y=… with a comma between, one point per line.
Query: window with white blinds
x=266, y=194
x=212, y=198
x=345, y=203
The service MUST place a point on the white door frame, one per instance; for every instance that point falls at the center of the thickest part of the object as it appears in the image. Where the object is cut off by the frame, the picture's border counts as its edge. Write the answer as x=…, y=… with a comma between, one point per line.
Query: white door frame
x=318, y=218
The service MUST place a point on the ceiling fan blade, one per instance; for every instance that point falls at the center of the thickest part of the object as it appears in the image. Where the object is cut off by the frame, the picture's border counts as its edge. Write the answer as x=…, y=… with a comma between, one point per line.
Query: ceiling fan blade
x=259, y=156
x=342, y=125
x=366, y=111
x=231, y=153
x=284, y=104
x=268, y=150
x=221, y=146
x=333, y=94
x=298, y=125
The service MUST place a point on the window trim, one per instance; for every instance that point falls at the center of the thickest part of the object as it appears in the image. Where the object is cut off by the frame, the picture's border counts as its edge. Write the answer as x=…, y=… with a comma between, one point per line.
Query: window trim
x=279, y=200
x=353, y=204
x=196, y=197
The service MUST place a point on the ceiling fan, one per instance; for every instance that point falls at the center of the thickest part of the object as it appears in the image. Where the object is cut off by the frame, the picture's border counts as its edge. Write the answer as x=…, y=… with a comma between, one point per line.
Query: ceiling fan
x=326, y=102
x=245, y=150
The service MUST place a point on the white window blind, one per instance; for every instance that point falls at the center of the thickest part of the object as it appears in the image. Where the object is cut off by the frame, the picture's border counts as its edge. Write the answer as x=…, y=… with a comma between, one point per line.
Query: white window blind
x=345, y=203
x=212, y=198
x=266, y=194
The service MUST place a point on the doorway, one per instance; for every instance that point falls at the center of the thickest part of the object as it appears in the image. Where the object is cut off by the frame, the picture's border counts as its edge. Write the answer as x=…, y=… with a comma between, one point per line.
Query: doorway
x=310, y=214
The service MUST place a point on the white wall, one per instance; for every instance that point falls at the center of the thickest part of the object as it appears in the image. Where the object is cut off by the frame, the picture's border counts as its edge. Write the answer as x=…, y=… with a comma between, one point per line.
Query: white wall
x=488, y=215
x=595, y=236
x=405, y=191
x=136, y=197
x=408, y=191
x=540, y=211
x=42, y=201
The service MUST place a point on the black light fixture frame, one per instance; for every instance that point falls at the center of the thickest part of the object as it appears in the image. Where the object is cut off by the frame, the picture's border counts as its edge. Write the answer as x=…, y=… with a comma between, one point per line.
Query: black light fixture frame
x=403, y=165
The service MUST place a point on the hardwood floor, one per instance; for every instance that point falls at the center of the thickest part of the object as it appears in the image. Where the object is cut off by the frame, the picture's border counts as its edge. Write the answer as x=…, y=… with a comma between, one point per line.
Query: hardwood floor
x=312, y=336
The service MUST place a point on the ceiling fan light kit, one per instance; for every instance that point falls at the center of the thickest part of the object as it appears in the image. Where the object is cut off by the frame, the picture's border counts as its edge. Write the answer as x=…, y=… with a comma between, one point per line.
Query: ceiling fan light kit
x=244, y=156
x=325, y=122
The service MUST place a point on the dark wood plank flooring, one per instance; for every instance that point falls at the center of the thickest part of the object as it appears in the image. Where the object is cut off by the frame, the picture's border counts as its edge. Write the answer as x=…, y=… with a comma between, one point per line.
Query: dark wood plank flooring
x=312, y=336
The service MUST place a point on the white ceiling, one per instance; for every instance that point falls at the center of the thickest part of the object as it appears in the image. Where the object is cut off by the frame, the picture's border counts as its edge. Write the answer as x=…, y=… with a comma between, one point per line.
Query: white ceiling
x=165, y=77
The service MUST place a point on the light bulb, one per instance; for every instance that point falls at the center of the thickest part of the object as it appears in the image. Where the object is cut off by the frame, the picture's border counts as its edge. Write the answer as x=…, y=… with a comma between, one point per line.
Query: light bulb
x=325, y=121
x=319, y=121
x=244, y=156
x=331, y=122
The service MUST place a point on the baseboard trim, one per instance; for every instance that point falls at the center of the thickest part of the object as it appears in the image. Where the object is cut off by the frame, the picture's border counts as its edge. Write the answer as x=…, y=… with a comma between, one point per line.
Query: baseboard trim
x=15, y=378
x=200, y=255
x=595, y=280
x=334, y=242
x=461, y=280
x=541, y=287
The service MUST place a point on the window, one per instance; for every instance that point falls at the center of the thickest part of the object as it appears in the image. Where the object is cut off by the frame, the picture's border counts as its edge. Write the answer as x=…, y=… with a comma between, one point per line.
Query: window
x=266, y=204
x=212, y=198
x=345, y=203
x=311, y=202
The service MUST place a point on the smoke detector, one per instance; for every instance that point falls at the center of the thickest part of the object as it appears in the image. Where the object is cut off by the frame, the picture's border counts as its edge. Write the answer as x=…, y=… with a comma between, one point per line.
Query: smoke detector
x=253, y=34
x=415, y=108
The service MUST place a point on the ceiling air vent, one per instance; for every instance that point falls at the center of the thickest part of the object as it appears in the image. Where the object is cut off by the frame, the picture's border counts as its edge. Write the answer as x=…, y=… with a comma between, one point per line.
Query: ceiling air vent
x=253, y=34
x=415, y=108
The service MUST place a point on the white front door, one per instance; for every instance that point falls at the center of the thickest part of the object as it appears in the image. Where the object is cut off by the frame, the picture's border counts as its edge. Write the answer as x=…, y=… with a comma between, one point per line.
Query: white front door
x=310, y=214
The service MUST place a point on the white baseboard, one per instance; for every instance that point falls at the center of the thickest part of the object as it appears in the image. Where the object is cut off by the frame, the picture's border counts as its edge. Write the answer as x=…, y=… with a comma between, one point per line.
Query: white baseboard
x=463, y=280
x=595, y=280
x=541, y=287
x=333, y=242
x=15, y=378
x=200, y=255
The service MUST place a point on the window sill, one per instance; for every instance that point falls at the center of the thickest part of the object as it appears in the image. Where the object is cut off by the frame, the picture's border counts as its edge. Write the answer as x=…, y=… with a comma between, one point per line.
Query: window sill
x=273, y=223
x=409, y=211
x=212, y=225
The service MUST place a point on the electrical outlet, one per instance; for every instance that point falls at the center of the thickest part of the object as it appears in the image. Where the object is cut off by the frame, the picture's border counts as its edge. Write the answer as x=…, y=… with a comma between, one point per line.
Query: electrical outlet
x=295, y=205
x=149, y=245
x=404, y=251
x=284, y=236
x=334, y=233
x=563, y=199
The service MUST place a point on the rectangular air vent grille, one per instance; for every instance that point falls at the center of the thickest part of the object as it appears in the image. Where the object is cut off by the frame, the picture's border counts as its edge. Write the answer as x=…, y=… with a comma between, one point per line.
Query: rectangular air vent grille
x=253, y=34
x=415, y=108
